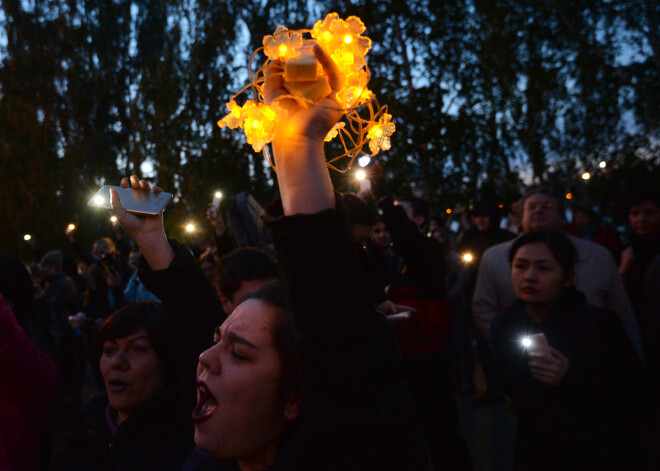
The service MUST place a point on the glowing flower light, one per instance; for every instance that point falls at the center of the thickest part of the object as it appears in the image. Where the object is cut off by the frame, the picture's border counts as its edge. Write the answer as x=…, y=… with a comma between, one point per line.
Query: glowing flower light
x=380, y=134
x=282, y=44
x=304, y=80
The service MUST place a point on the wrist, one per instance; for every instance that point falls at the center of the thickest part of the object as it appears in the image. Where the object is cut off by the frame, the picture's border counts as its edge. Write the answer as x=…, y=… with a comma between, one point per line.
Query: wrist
x=156, y=250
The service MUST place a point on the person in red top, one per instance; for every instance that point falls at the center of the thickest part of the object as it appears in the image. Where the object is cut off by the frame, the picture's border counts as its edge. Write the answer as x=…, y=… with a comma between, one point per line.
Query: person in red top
x=28, y=379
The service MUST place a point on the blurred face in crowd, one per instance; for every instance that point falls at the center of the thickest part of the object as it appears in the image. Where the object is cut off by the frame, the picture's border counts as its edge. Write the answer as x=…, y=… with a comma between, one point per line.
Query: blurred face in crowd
x=208, y=267
x=645, y=219
x=481, y=222
x=537, y=276
x=381, y=236
x=100, y=250
x=132, y=372
x=583, y=218
x=134, y=257
x=361, y=232
x=410, y=212
x=247, y=287
x=240, y=412
x=540, y=212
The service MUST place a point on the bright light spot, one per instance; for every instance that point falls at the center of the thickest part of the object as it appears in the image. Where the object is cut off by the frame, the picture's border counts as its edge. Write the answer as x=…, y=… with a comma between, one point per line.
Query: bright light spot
x=500, y=205
x=190, y=227
x=113, y=219
x=360, y=175
x=586, y=176
x=98, y=200
x=467, y=257
x=526, y=342
x=364, y=161
x=448, y=211
x=348, y=39
x=603, y=164
x=218, y=194
x=569, y=196
x=71, y=227
x=379, y=132
x=27, y=237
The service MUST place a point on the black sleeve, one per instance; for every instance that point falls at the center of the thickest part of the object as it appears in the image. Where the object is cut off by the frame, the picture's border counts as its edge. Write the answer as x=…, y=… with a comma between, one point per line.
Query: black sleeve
x=422, y=255
x=190, y=302
x=348, y=354
x=224, y=243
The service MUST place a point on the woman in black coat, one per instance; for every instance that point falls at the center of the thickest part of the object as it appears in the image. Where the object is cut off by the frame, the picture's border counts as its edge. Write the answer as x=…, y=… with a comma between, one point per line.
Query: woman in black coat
x=574, y=389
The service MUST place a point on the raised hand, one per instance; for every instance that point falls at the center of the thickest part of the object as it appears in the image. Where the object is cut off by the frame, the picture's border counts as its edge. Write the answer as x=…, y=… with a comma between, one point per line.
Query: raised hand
x=148, y=231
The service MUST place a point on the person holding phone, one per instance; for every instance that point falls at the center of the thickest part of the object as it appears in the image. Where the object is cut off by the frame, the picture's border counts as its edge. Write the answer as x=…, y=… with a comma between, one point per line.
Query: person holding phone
x=574, y=387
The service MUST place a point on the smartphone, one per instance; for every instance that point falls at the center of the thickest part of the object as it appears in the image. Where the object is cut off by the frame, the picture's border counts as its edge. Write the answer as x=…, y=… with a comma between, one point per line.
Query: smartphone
x=134, y=201
x=215, y=204
x=399, y=317
x=537, y=344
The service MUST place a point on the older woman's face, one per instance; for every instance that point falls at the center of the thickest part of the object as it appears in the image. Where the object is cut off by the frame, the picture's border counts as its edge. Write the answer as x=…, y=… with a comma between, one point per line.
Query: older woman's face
x=131, y=370
x=240, y=412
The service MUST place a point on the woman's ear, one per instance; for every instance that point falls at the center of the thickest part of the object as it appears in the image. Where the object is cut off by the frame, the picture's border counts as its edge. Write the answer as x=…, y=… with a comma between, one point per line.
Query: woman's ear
x=292, y=408
x=568, y=279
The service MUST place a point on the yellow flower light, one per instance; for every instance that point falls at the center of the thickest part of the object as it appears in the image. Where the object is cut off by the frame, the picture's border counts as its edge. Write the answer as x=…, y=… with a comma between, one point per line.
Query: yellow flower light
x=364, y=121
x=260, y=123
x=282, y=44
x=334, y=131
x=380, y=134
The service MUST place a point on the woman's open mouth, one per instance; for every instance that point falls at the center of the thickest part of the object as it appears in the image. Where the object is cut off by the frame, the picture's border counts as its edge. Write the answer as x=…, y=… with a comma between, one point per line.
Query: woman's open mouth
x=206, y=404
x=116, y=386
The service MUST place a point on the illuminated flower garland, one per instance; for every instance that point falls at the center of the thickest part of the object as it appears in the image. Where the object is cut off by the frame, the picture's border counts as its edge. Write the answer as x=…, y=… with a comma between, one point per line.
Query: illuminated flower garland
x=308, y=85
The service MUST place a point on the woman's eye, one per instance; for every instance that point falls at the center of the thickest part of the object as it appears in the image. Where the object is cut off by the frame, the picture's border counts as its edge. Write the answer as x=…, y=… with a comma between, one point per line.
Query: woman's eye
x=140, y=349
x=237, y=355
x=108, y=351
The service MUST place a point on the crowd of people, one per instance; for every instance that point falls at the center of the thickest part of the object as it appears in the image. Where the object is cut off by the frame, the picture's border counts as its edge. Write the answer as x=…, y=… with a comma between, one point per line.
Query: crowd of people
x=341, y=340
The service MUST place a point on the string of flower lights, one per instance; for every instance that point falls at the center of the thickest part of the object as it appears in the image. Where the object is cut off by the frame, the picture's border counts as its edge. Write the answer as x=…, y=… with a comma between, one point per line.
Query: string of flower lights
x=307, y=83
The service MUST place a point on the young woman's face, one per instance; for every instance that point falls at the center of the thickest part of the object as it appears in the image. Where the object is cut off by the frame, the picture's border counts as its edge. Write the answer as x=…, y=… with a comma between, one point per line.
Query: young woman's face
x=537, y=276
x=240, y=413
x=132, y=372
x=645, y=218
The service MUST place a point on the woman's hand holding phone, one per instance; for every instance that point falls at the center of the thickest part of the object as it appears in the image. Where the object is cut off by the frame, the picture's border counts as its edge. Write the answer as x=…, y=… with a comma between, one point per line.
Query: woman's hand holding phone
x=147, y=232
x=549, y=369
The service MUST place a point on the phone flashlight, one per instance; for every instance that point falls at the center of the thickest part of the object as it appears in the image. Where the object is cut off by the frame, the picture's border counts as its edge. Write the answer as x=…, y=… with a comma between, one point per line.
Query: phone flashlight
x=360, y=175
x=27, y=237
x=71, y=227
x=526, y=342
x=536, y=343
x=467, y=257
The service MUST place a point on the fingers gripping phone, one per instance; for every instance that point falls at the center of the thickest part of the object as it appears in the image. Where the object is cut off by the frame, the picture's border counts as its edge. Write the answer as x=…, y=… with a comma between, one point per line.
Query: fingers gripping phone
x=134, y=201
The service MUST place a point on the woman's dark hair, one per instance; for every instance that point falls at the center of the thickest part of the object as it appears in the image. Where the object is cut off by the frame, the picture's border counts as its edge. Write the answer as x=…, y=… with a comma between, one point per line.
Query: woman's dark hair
x=642, y=196
x=284, y=337
x=558, y=243
x=147, y=315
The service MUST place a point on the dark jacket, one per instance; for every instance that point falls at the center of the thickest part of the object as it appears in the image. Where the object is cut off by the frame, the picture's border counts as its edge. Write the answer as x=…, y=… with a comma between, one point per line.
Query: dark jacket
x=420, y=285
x=587, y=421
x=158, y=437
x=356, y=412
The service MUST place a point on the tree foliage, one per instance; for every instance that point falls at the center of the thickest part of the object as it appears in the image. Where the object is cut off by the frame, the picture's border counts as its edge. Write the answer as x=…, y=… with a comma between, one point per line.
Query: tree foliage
x=484, y=93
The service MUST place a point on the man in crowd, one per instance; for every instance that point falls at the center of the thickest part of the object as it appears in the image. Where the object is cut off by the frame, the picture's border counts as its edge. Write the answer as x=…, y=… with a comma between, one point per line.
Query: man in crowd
x=596, y=273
